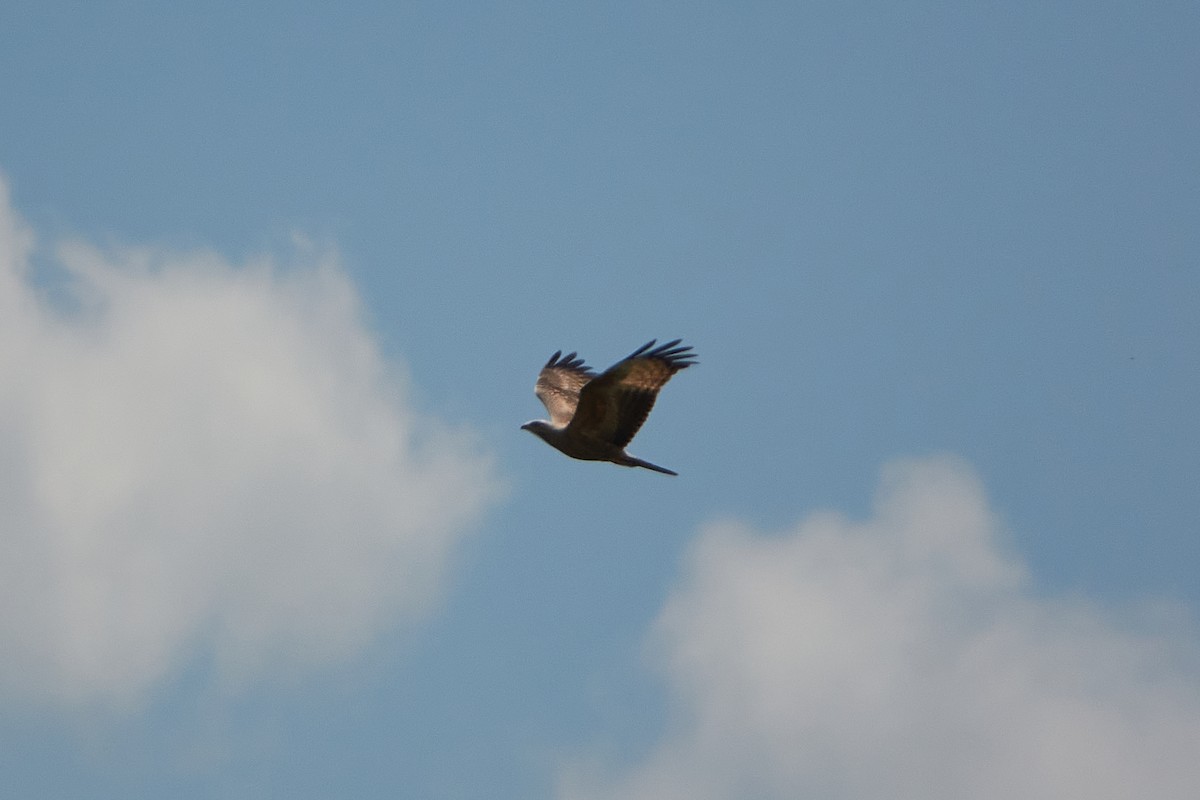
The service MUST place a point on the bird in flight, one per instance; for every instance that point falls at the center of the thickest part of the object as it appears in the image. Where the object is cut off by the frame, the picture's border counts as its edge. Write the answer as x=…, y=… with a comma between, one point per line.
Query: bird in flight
x=593, y=417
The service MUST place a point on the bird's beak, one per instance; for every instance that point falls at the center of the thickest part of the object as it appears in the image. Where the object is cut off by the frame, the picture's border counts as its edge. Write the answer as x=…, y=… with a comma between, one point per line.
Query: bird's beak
x=525, y=427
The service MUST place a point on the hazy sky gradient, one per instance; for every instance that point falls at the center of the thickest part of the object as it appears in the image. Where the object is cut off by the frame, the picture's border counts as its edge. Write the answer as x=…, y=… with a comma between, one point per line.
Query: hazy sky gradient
x=275, y=284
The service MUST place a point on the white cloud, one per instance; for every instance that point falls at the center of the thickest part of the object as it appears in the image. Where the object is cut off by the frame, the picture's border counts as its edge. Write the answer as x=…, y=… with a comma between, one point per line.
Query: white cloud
x=907, y=657
x=198, y=458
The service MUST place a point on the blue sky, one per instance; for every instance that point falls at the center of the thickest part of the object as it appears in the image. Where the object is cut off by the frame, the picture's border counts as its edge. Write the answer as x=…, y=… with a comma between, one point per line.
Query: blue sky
x=276, y=284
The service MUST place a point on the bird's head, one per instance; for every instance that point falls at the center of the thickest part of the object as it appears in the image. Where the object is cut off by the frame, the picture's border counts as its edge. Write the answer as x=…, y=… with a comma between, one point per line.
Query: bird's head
x=538, y=427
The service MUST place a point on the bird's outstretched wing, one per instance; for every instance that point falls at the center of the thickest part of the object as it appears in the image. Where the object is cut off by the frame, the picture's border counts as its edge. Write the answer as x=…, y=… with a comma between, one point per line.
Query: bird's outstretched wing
x=612, y=406
x=558, y=385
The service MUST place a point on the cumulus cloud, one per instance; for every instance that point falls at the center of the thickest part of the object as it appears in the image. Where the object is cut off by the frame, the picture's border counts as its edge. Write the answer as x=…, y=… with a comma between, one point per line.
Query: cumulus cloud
x=202, y=459
x=906, y=656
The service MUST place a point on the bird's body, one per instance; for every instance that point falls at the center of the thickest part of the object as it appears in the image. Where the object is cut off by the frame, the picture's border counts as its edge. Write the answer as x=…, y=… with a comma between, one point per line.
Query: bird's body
x=593, y=417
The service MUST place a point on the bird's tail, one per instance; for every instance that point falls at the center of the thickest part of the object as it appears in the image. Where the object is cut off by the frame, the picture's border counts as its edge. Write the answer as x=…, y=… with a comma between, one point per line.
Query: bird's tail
x=632, y=461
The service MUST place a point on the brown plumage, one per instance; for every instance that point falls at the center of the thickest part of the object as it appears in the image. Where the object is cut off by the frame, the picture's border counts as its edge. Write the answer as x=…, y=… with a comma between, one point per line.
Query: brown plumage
x=593, y=417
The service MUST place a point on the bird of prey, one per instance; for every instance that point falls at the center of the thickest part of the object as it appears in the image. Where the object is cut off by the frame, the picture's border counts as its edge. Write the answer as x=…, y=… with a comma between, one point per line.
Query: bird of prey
x=593, y=417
